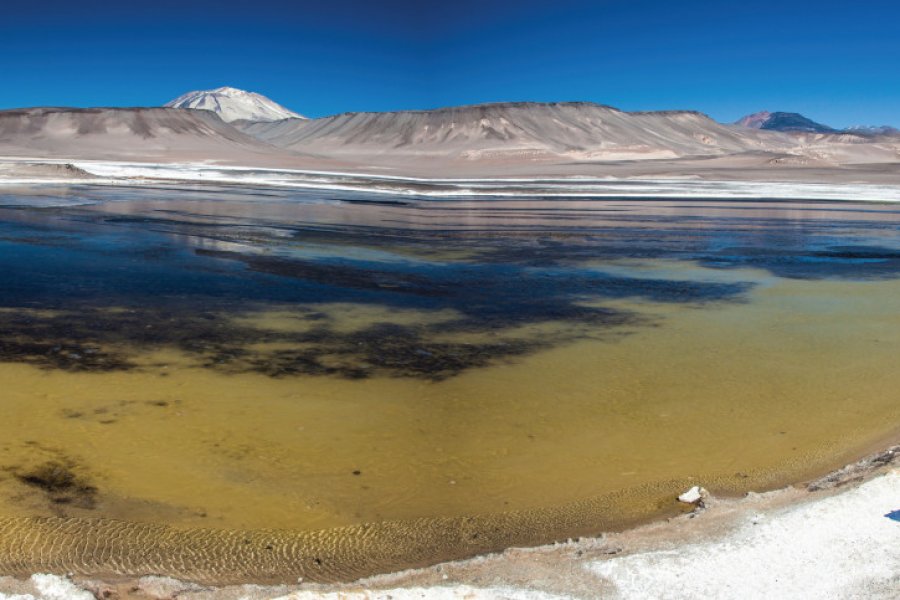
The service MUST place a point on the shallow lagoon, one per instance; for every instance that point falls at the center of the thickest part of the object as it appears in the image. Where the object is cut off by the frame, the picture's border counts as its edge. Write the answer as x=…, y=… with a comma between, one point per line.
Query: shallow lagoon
x=237, y=359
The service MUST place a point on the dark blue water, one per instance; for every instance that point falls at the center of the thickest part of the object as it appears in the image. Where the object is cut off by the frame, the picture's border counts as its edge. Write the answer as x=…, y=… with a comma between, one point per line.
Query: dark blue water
x=175, y=264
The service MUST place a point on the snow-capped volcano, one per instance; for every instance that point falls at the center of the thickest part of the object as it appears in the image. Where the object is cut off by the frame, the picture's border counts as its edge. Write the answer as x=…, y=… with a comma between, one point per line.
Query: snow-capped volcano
x=232, y=104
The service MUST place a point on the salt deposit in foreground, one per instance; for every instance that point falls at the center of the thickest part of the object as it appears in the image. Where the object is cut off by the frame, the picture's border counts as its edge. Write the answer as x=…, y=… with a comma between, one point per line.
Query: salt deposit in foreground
x=842, y=543
x=839, y=547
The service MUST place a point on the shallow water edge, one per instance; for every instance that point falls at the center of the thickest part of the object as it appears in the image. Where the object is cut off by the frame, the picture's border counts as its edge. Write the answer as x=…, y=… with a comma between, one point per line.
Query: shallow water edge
x=113, y=579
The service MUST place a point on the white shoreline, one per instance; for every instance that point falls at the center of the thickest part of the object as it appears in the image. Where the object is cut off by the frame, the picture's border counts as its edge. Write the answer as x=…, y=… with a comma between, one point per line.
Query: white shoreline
x=139, y=174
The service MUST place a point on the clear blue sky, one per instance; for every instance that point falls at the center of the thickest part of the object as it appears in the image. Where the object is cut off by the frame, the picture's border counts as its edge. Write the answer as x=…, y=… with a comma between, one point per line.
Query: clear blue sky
x=836, y=62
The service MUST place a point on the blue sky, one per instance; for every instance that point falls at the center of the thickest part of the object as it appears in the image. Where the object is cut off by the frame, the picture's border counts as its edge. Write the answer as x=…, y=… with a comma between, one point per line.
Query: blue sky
x=836, y=62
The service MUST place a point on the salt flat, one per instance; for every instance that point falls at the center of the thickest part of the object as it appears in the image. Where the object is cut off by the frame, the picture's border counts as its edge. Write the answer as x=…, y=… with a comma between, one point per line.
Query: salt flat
x=42, y=171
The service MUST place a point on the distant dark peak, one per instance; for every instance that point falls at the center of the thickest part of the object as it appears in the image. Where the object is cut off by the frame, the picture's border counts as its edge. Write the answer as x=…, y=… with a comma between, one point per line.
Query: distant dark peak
x=783, y=121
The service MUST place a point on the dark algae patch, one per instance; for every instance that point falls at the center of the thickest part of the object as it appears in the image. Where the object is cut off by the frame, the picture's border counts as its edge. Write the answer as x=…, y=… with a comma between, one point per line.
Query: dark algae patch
x=30, y=340
x=389, y=349
x=60, y=484
x=57, y=481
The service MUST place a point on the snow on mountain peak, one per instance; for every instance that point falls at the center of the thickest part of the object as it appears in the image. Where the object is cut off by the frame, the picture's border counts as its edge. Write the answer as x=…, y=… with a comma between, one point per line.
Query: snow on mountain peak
x=232, y=104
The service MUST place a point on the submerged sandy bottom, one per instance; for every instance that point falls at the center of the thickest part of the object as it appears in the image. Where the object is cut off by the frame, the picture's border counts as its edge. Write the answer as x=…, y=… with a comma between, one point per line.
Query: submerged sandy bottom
x=224, y=393
x=744, y=396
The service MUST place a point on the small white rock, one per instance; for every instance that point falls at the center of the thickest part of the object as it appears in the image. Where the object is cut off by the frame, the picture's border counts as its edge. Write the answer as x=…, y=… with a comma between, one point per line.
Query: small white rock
x=693, y=495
